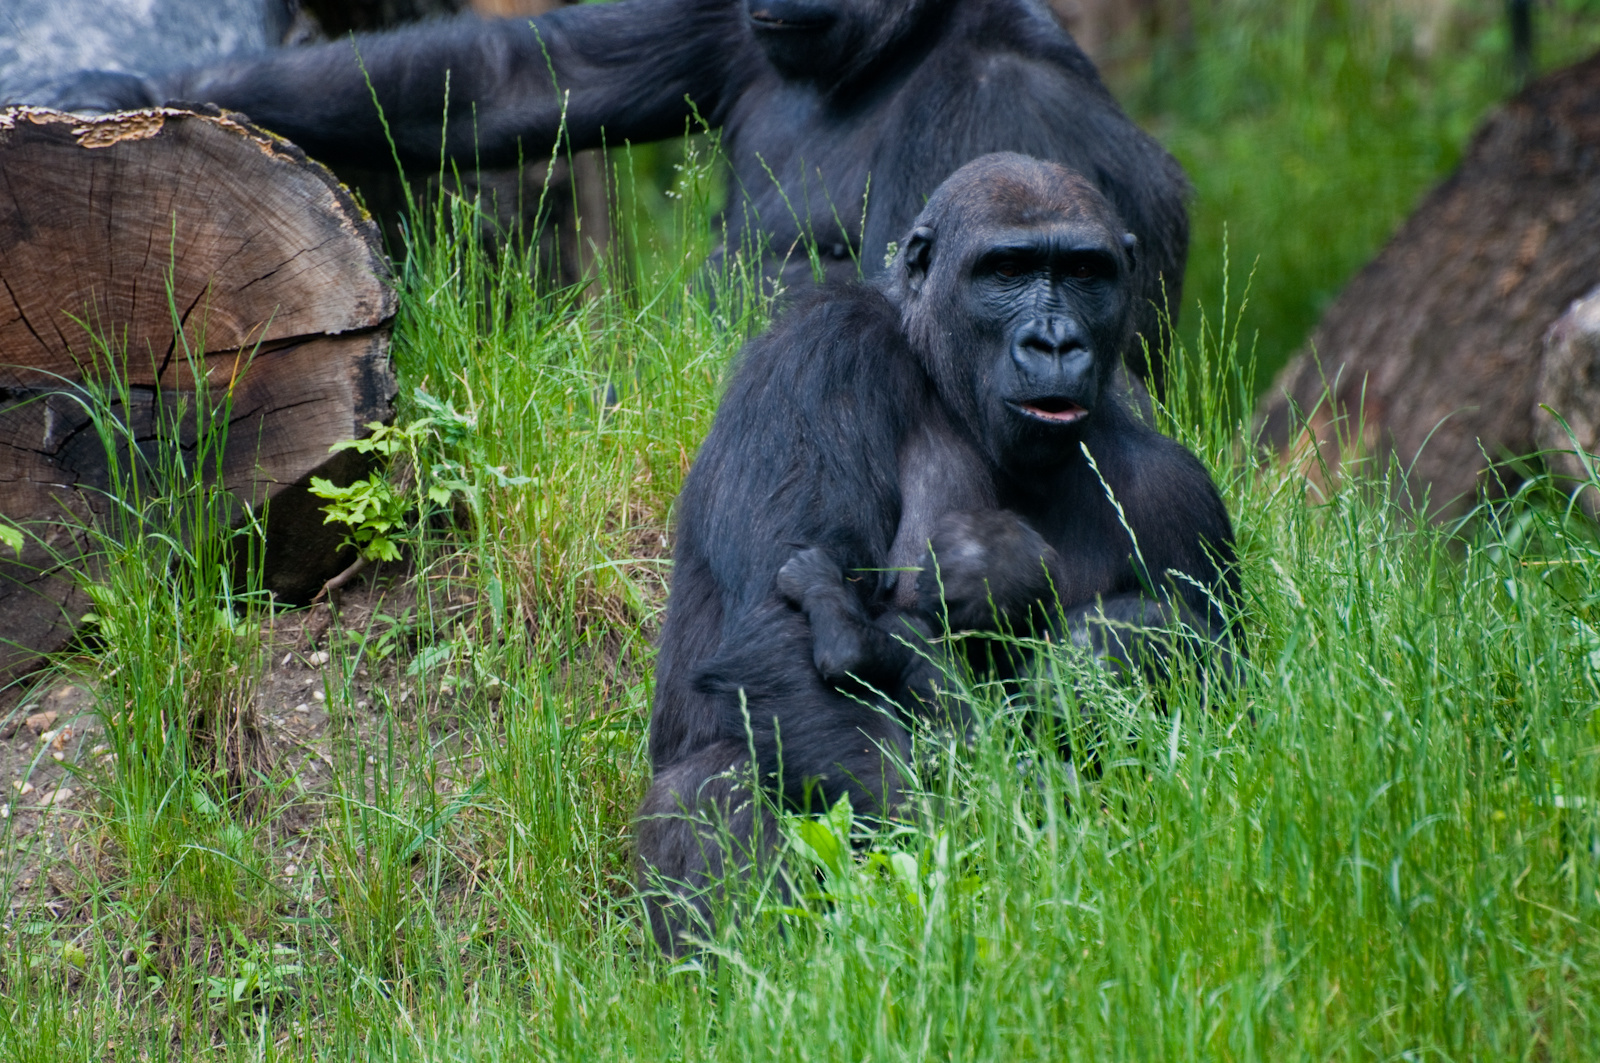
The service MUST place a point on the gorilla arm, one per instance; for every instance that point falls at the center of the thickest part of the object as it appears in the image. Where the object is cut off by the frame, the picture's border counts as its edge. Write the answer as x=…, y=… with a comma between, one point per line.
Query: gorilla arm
x=629, y=67
x=802, y=454
x=1177, y=584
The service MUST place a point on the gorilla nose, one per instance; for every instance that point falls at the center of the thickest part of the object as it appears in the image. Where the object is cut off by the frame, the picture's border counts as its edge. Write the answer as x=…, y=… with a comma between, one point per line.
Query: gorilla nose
x=1049, y=348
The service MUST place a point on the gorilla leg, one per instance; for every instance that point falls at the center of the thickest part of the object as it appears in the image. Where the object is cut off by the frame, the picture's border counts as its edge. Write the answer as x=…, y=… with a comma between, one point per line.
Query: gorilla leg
x=983, y=571
x=994, y=571
x=694, y=813
x=703, y=826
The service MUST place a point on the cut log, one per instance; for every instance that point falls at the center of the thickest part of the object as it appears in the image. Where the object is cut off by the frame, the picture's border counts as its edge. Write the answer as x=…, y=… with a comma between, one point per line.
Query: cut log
x=111, y=230
x=1433, y=351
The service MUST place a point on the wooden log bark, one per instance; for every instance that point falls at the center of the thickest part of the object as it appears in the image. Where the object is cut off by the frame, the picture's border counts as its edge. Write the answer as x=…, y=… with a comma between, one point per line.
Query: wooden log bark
x=1434, y=349
x=137, y=250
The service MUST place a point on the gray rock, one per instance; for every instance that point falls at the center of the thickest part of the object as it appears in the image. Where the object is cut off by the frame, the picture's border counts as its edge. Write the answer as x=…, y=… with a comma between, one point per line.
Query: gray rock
x=1569, y=384
x=42, y=40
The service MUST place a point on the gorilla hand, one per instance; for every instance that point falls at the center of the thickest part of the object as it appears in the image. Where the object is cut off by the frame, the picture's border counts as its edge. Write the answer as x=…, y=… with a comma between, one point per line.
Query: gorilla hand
x=1129, y=631
x=847, y=644
x=983, y=570
x=893, y=655
x=94, y=92
x=815, y=585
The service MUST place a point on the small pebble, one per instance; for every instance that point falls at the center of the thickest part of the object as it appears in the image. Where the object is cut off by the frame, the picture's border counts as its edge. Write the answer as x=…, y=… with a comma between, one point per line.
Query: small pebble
x=290, y=871
x=57, y=755
x=318, y=659
x=319, y=695
x=302, y=707
x=286, y=659
x=60, y=797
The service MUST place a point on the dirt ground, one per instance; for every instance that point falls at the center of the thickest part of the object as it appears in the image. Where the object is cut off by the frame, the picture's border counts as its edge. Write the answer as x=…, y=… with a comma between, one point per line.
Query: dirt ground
x=51, y=740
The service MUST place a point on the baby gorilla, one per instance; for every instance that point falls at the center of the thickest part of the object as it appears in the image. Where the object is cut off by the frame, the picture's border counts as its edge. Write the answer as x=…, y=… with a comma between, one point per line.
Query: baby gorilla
x=982, y=571
x=952, y=441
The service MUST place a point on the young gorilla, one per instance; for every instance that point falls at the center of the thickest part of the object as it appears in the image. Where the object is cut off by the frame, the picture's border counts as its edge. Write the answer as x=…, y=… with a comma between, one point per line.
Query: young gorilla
x=953, y=404
x=838, y=117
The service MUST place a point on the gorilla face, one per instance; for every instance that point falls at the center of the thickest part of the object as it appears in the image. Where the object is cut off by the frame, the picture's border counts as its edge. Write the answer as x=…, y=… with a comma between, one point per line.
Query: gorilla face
x=1025, y=309
x=824, y=42
x=1053, y=296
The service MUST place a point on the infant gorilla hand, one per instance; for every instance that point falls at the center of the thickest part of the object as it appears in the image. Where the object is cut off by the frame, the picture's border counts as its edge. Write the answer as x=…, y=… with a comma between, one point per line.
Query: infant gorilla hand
x=93, y=92
x=840, y=629
x=984, y=569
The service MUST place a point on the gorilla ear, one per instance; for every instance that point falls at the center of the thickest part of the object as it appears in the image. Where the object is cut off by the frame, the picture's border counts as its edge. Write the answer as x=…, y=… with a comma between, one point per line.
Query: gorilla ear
x=919, y=255
x=1130, y=243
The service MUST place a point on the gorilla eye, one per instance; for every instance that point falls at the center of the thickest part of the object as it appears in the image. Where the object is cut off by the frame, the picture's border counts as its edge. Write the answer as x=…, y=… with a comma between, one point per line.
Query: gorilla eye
x=1090, y=267
x=1007, y=263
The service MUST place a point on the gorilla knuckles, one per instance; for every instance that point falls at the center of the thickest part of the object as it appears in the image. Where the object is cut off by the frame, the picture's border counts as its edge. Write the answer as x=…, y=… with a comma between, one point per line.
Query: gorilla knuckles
x=982, y=570
x=1040, y=264
x=939, y=422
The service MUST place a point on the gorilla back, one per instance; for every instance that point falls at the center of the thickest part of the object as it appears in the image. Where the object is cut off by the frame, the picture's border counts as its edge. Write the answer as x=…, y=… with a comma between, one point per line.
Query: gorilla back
x=839, y=117
x=945, y=418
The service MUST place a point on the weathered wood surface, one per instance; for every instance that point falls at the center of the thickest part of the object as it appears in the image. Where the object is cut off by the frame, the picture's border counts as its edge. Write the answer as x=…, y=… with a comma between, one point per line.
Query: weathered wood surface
x=1434, y=349
x=111, y=230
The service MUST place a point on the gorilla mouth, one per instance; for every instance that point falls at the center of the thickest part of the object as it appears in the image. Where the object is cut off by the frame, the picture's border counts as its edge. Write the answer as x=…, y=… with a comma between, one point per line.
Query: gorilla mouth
x=790, y=15
x=766, y=21
x=1054, y=410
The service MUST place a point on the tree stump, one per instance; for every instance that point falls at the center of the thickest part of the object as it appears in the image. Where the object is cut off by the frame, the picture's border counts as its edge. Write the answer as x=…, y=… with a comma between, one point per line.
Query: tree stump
x=1433, y=351
x=122, y=226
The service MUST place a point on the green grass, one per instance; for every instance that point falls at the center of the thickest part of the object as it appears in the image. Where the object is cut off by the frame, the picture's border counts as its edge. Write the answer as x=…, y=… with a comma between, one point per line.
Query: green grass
x=1385, y=844
x=1311, y=128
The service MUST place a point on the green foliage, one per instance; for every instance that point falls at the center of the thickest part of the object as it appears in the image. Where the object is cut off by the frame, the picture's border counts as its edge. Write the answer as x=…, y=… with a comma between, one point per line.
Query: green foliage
x=378, y=509
x=259, y=974
x=1311, y=128
x=1385, y=843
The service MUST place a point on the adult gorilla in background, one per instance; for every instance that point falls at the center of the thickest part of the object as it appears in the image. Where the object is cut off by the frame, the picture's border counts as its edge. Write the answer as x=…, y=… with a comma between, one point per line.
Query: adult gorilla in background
x=838, y=117
x=957, y=403
x=42, y=39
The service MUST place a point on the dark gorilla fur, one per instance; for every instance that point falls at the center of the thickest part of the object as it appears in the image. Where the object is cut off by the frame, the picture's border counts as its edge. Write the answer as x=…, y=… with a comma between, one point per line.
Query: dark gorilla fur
x=814, y=97
x=937, y=421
